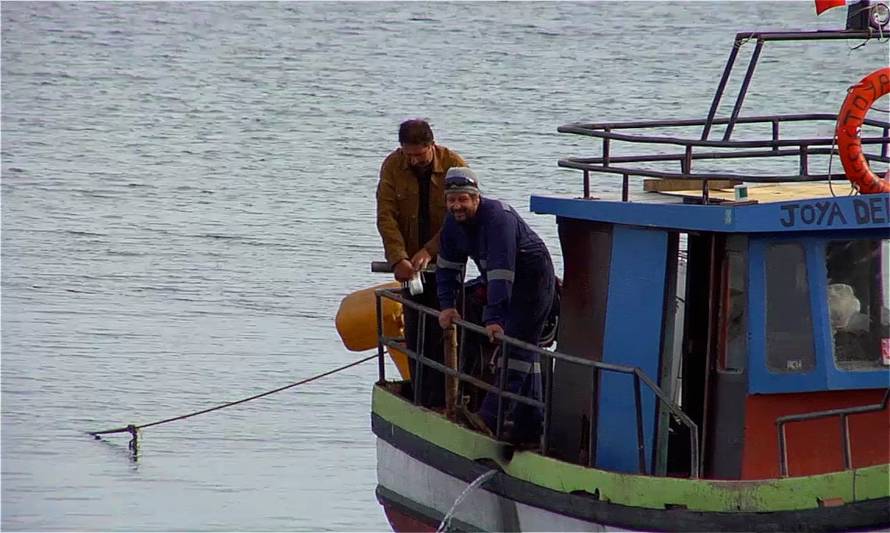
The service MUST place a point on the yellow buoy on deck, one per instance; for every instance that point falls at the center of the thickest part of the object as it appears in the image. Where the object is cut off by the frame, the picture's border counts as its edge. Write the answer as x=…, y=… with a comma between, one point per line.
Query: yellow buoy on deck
x=357, y=323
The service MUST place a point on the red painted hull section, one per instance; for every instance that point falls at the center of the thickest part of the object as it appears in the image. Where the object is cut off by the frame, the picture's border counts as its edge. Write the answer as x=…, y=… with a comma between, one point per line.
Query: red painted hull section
x=403, y=522
x=814, y=446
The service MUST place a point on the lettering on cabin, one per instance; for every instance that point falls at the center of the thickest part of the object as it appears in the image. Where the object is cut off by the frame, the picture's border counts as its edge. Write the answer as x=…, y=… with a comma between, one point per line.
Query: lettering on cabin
x=825, y=213
x=866, y=210
x=874, y=210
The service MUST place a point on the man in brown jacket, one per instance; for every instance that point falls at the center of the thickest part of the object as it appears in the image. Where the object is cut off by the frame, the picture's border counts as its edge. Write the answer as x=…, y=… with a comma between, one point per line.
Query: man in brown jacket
x=410, y=212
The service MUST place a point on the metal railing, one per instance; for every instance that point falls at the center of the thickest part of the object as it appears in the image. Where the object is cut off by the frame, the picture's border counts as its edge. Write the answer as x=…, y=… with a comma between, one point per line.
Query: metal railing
x=596, y=367
x=803, y=148
x=691, y=149
x=844, y=415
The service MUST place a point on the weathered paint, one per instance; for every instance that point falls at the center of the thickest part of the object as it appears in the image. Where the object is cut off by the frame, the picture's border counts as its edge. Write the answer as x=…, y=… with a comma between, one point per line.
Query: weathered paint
x=814, y=446
x=816, y=214
x=632, y=335
x=635, y=490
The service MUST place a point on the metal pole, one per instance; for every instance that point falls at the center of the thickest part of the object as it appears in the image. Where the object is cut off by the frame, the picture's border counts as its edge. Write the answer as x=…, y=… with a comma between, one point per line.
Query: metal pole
x=505, y=359
x=418, y=356
x=720, y=88
x=744, y=90
x=451, y=381
x=381, y=367
x=548, y=398
x=845, y=441
x=591, y=430
x=783, y=457
x=641, y=445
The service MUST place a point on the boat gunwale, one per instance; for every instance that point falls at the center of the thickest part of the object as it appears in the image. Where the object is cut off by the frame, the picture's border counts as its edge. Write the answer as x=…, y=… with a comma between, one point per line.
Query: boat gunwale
x=632, y=489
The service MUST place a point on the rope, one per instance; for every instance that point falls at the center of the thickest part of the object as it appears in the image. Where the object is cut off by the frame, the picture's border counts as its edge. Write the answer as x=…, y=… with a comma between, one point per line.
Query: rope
x=132, y=429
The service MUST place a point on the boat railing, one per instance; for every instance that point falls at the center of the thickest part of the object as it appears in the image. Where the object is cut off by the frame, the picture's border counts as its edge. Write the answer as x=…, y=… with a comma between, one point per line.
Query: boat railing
x=844, y=415
x=688, y=150
x=663, y=400
x=692, y=148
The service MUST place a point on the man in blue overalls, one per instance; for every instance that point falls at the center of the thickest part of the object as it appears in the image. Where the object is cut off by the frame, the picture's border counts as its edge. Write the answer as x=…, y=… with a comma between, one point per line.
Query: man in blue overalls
x=517, y=269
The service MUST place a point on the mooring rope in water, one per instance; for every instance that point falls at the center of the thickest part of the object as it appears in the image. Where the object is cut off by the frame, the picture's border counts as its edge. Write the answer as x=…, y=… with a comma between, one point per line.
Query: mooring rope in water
x=476, y=482
x=133, y=429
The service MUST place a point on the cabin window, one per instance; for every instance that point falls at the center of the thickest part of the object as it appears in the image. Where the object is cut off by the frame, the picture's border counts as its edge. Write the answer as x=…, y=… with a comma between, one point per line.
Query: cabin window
x=859, y=302
x=733, y=341
x=789, y=325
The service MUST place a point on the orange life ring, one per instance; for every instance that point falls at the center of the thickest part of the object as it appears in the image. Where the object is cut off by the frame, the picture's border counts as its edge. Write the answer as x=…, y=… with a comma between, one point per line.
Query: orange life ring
x=849, y=125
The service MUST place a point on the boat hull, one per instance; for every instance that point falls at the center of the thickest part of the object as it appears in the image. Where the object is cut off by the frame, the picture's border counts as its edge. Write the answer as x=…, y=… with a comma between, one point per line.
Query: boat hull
x=425, y=463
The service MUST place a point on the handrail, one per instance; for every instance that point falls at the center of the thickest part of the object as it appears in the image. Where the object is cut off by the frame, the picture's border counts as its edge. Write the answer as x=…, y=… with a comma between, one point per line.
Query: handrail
x=690, y=149
x=804, y=147
x=596, y=367
x=845, y=428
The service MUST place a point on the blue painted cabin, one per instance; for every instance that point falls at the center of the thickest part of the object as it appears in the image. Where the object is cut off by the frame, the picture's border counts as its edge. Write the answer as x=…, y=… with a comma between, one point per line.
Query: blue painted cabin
x=719, y=303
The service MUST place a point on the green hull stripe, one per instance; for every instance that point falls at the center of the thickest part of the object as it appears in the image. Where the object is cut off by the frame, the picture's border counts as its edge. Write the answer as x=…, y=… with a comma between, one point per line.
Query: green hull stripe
x=796, y=493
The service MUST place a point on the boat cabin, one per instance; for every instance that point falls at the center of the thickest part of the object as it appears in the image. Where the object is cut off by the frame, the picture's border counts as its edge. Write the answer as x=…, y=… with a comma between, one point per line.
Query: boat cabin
x=762, y=311
x=742, y=313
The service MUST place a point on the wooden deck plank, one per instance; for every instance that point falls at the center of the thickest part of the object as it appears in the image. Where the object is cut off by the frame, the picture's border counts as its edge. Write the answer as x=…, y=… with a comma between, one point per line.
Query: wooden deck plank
x=780, y=192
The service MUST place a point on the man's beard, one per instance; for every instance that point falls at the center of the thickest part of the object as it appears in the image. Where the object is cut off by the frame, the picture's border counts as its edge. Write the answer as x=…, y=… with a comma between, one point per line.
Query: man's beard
x=465, y=216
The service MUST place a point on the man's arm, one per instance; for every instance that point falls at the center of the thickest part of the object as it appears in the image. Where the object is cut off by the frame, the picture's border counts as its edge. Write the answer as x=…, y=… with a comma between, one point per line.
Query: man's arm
x=388, y=218
x=449, y=266
x=501, y=231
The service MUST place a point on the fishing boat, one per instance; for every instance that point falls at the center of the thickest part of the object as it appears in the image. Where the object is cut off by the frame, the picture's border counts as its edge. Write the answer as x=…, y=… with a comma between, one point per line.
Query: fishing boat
x=722, y=357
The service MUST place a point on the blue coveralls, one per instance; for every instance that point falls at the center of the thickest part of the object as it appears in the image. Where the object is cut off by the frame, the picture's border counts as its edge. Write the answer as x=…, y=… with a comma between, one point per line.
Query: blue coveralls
x=518, y=272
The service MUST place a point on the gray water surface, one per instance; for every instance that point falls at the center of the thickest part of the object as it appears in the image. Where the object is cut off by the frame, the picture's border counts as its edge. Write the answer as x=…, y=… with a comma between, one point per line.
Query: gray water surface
x=187, y=194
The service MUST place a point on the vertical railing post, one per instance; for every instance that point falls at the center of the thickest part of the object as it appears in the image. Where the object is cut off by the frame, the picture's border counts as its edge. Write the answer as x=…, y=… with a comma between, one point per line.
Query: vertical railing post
x=586, y=184
x=641, y=444
x=775, y=122
x=505, y=361
x=693, y=453
x=624, y=187
x=418, y=356
x=885, y=144
x=381, y=367
x=591, y=430
x=845, y=441
x=548, y=397
x=783, y=457
x=607, y=156
x=686, y=162
x=804, y=162
x=451, y=381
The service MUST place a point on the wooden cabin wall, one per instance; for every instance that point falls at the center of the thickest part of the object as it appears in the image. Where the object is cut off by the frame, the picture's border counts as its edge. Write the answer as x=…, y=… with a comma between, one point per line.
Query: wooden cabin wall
x=586, y=249
x=814, y=446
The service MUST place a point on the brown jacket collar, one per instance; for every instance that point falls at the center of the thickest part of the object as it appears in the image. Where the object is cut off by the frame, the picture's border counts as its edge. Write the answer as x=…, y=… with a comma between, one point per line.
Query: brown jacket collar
x=438, y=160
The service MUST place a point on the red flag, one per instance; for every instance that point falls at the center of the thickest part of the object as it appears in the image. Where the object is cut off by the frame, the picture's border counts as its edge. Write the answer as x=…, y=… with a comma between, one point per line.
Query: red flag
x=822, y=5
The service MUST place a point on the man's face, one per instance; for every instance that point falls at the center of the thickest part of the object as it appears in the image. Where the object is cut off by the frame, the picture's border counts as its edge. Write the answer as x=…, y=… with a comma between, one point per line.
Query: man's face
x=419, y=155
x=462, y=205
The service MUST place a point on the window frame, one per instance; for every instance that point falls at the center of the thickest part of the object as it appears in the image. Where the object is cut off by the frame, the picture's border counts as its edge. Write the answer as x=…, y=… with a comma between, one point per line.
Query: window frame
x=824, y=375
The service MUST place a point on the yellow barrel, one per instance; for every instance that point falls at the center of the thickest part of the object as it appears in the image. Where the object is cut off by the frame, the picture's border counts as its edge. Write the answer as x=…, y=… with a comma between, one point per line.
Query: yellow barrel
x=357, y=323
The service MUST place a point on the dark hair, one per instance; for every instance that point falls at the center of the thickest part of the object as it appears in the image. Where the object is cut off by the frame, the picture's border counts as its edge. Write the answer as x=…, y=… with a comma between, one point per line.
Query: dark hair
x=415, y=131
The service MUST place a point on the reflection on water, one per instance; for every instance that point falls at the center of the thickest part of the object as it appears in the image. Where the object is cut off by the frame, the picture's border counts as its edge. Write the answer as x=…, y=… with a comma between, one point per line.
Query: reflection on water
x=187, y=194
